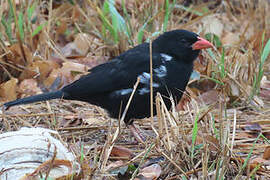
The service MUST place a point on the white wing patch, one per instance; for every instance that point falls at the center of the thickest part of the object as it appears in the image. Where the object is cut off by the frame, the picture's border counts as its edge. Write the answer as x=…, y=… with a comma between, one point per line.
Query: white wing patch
x=123, y=92
x=161, y=71
x=166, y=57
x=145, y=78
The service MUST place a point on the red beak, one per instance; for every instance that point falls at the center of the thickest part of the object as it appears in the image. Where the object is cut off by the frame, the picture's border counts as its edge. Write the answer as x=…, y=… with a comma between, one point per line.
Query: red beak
x=202, y=44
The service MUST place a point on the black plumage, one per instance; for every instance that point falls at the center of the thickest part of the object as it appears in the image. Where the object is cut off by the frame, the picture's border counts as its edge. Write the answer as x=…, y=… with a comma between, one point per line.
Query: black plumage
x=109, y=85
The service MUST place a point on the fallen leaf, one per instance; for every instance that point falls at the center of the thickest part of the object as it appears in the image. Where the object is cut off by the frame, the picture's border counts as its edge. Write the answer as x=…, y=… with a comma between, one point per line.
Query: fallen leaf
x=209, y=97
x=115, y=164
x=151, y=172
x=70, y=49
x=203, y=85
x=51, y=78
x=119, y=151
x=266, y=153
x=29, y=87
x=69, y=67
x=8, y=89
x=253, y=127
x=16, y=56
x=82, y=41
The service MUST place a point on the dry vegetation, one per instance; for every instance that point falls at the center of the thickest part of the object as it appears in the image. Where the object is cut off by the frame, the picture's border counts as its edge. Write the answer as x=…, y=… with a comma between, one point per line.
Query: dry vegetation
x=219, y=130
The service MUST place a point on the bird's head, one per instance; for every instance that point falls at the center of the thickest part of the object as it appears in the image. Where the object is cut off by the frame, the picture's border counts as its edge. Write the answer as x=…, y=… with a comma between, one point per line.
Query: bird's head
x=182, y=44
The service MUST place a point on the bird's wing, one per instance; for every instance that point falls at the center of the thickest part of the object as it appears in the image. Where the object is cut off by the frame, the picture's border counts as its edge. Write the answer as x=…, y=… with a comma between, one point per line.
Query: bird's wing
x=115, y=75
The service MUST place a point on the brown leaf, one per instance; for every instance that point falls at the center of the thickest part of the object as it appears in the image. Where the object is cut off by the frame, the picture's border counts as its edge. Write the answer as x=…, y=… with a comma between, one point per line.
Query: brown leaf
x=39, y=68
x=29, y=87
x=151, y=172
x=119, y=151
x=8, y=89
x=266, y=153
x=16, y=55
x=210, y=140
x=92, y=61
x=51, y=78
x=82, y=41
x=213, y=143
x=115, y=164
x=183, y=102
x=69, y=67
x=70, y=49
x=209, y=97
x=203, y=85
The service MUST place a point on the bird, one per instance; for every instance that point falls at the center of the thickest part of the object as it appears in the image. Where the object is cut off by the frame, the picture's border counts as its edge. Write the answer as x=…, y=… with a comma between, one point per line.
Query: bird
x=110, y=84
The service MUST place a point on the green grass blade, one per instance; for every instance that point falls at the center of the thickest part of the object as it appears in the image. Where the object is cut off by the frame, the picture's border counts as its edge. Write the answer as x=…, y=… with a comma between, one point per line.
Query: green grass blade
x=119, y=21
x=194, y=134
x=7, y=23
x=222, y=65
x=30, y=11
x=266, y=51
x=129, y=26
x=20, y=24
x=257, y=78
x=11, y=11
x=250, y=153
x=8, y=29
x=215, y=80
x=211, y=54
x=141, y=33
x=106, y=23
x=214, y=39
x=39, y=28
x=82, y=154
x=168, y=9
x=166, y=17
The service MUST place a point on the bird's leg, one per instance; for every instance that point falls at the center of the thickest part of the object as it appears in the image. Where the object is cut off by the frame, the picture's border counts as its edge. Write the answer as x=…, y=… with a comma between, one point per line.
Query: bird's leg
x=137, y=133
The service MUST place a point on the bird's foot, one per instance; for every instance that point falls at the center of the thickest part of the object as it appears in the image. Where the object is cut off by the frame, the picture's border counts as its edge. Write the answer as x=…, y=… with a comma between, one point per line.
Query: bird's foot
x=137, y=133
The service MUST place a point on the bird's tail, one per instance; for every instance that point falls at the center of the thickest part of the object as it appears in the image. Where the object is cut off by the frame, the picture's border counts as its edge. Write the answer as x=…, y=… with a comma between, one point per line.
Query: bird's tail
x=36, y=98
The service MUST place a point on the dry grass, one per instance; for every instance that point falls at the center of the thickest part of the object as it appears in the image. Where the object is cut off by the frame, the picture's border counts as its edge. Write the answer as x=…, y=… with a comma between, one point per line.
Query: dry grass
x=225, y=138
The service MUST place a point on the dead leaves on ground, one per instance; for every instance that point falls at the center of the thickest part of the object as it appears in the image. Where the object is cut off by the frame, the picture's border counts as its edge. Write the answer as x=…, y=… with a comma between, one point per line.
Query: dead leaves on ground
x=36, y=75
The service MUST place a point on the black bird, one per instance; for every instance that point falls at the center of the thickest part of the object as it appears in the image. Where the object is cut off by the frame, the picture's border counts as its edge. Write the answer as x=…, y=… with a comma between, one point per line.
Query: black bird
x=110, y=85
